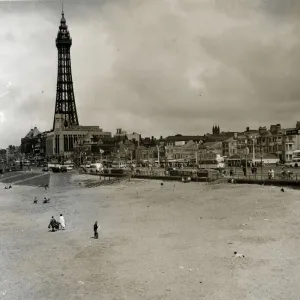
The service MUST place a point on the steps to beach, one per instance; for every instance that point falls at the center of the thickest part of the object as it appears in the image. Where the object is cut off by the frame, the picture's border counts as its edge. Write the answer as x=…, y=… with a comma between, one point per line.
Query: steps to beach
x=29, y=178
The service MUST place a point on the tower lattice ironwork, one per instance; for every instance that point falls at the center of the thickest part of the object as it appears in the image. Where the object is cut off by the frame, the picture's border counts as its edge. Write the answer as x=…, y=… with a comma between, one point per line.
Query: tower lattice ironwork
x=65, y=99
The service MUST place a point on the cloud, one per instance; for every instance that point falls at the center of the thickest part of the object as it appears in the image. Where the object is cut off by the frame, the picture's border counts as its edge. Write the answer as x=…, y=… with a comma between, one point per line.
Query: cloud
x=2, y=117
x=141, y=65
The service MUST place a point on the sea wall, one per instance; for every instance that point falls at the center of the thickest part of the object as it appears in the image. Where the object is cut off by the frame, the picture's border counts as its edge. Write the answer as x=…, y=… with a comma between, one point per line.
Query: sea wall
x=274, y=182
x=154, y=177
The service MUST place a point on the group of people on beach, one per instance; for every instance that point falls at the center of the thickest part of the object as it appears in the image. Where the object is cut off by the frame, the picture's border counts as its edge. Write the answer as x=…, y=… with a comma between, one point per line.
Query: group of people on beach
x=61, y=224
x=57, y=225
x=46, y=200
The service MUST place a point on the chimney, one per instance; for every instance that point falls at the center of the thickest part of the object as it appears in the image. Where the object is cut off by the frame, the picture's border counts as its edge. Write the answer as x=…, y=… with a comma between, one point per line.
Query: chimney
x=247, y=129
x=278, y=129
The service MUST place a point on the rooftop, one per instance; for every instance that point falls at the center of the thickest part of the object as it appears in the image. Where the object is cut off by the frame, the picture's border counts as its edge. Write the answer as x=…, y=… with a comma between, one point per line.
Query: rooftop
x=184, y=138
x=32, y=133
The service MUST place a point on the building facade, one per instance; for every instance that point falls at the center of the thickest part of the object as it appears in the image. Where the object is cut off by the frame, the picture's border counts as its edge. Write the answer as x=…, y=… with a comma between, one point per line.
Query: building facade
x=290, y=142
x=34, y=143
x=229, y=147
x=61, y=141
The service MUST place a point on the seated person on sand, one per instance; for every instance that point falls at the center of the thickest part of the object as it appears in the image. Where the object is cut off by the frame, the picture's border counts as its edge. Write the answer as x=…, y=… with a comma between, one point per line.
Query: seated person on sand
x=46, y=200
x=35, y=200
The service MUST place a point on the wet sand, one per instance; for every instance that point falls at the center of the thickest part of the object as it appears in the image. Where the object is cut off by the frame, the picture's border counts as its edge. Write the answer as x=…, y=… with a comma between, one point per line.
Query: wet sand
x=154, y=243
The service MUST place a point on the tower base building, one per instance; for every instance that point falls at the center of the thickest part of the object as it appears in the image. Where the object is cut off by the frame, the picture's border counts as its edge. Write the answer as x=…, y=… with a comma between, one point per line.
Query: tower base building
x=61, y=141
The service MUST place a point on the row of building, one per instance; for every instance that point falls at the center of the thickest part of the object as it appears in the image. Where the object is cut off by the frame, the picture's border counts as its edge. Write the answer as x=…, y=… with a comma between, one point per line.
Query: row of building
x=274, y=142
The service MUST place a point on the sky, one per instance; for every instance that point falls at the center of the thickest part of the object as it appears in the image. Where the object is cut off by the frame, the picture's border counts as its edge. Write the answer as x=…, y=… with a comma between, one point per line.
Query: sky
x=157, y=67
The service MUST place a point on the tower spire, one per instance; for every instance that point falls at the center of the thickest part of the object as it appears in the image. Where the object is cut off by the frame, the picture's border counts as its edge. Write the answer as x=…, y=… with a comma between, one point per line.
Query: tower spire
x=65, y=99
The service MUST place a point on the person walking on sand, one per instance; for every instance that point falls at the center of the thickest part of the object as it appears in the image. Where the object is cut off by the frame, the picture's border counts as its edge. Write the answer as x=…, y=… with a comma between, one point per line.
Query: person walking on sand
x=52, y=224
x=62, y=222
x=96, y=230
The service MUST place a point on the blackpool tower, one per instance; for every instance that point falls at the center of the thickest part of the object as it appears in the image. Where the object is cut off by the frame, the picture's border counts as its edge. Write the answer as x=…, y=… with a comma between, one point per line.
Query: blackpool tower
x=65, y=105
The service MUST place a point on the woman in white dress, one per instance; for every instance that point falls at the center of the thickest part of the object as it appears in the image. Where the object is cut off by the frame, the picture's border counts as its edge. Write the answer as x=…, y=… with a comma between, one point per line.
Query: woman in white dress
x=62, y=222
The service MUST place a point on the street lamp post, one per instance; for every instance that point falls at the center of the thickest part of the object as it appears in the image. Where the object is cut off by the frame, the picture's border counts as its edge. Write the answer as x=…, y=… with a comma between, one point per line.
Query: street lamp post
x=253, y=157
x=101, y=151
x=166, y=162
x=200, y=160
x=126, y=150
x=253, y=149
x=261, y=166
x=197, y=149
x=246, y=156
x=157, y=146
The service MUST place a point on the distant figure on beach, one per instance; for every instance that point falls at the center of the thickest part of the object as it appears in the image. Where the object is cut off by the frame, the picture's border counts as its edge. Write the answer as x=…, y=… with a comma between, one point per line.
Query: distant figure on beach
x=238, y=254
x=269, y=174
x=96, y=230
x=272, y=174
x=46, y=186
x=254, y=170
x=35, y=200
x=282, y=190
x=53, y=224
x=62, y=222
x=231, y=172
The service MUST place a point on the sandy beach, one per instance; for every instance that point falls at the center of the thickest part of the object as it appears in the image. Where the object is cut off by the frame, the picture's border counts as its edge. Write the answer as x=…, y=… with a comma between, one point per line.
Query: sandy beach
x=170, y=242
